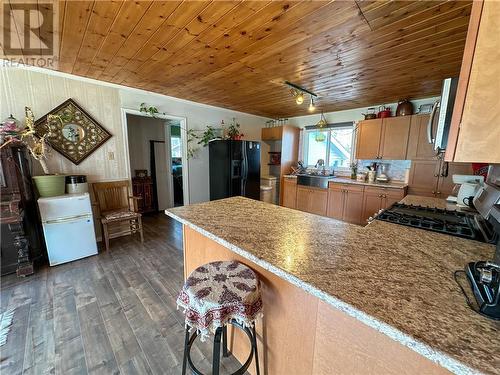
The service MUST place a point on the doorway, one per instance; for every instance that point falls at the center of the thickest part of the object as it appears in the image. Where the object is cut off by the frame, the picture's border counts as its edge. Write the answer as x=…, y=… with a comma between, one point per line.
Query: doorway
x=157, y=160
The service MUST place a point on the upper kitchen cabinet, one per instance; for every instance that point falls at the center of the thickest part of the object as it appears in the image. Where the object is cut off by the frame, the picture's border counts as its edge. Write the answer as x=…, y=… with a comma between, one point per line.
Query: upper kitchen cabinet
x=394, y=139
x=368, y=139
x=272, y=134
x=475, y=128
x=419, y=147
x=383, y=138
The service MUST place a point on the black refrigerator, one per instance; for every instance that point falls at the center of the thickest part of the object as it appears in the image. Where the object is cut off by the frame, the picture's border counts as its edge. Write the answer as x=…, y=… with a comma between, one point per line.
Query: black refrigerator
x=234, y=169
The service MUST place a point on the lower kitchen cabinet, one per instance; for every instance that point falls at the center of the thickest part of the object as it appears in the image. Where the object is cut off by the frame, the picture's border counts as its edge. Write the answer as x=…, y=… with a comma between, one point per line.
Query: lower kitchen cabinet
x=312, y=200
x=345, y=202
x=290, y=192
x=376, y=199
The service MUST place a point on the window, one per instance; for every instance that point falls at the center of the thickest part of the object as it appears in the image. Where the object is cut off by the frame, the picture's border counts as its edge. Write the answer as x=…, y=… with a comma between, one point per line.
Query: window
x=333, y=145
x=175, y=144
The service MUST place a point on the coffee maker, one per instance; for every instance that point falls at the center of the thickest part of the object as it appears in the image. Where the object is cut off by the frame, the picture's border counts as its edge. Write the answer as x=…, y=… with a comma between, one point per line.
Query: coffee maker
x=484, y=275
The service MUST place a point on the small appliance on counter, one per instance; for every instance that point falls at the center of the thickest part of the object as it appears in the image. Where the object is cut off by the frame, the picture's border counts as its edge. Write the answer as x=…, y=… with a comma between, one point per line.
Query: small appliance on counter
x=76, y=184
x=382, y=174
x=68, y=227
x=466, y=187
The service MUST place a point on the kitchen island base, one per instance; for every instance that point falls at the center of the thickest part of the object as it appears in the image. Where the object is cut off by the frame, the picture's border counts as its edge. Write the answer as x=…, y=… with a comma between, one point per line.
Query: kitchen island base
x=301, y=334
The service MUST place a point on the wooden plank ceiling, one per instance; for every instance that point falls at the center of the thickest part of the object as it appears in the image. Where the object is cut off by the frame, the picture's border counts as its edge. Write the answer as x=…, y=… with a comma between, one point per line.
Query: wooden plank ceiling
x=236, y=54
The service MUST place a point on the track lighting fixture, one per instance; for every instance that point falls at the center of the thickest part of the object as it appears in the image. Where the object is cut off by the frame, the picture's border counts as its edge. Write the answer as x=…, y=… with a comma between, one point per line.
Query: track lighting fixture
x=298, y=93
x=311, y=105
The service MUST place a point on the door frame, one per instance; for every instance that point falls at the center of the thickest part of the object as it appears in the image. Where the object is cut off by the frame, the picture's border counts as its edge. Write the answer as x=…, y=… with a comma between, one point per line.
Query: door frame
x=185, y=163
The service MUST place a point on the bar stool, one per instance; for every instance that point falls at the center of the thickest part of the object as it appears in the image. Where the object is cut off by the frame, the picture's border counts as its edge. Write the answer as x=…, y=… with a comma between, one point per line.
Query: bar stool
x=213, y=296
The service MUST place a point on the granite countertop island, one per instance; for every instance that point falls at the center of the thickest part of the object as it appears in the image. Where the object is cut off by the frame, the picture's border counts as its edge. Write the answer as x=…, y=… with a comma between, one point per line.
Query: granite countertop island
x=395, y=279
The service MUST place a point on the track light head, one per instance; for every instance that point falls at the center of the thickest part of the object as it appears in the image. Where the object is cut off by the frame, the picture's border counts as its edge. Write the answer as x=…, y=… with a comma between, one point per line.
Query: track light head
x=311, y=105
x=299, y=98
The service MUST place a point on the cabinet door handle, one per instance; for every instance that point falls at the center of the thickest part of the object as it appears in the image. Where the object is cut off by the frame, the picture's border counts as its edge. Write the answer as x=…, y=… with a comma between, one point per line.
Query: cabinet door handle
x=438, y=192
x=436, y=175
x=433, y=192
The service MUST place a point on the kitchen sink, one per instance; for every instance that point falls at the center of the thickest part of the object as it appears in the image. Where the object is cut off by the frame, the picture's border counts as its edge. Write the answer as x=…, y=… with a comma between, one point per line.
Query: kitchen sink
x=318, y=181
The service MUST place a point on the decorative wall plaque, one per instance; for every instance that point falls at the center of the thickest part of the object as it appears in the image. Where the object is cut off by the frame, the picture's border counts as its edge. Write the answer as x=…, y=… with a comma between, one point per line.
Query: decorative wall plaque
x=73, y=133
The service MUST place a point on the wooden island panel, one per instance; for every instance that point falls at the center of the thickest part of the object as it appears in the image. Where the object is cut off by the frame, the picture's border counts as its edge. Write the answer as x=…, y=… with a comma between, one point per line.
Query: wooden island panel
x=300, y=334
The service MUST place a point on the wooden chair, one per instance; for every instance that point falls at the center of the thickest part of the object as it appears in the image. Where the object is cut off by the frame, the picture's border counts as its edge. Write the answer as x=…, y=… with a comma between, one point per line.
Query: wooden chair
x=118, y=216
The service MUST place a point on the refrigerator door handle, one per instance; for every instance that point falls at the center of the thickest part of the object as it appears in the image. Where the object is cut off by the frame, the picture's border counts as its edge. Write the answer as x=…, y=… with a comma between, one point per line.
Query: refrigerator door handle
x=244, y=170
x=68, y=219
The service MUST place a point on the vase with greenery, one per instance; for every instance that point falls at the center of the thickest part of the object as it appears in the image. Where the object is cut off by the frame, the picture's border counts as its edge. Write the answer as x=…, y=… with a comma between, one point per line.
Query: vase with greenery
x=354, y=170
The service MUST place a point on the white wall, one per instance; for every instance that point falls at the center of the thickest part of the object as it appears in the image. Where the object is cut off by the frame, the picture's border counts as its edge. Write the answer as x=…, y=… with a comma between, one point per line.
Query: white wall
x=350, y=114
x=141, y=130
x=44, y=89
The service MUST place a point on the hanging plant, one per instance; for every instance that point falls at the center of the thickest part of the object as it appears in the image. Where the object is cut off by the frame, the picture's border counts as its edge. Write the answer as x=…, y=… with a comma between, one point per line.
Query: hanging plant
x=207, y=136
x=151, y=110
x=190, y=133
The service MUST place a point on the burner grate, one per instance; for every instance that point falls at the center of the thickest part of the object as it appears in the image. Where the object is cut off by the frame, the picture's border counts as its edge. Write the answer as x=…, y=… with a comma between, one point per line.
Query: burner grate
x=433, y=219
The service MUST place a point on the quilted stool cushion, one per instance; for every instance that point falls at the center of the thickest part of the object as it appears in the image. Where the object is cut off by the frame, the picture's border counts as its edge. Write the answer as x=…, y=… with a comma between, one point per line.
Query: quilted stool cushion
x=217, y=292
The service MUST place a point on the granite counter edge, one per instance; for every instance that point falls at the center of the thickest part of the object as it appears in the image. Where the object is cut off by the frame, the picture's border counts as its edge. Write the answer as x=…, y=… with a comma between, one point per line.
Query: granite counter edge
x=423, y=349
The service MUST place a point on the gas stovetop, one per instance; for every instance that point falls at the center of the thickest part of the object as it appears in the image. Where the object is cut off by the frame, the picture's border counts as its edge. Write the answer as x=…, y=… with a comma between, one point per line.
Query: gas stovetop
x=450, y=222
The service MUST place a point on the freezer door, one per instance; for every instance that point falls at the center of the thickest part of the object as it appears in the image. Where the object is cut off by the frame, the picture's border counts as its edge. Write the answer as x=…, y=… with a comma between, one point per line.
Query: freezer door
x=252, y=170
x=70, y=240
x=64, y=206
x=219, y=169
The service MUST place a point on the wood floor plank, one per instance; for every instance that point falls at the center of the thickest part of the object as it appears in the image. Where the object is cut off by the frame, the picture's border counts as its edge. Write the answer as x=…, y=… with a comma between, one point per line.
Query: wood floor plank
x=70, y=358
x=40, y=346
x=122, y=338
x=12, y=353
x=98, y=352
x=158, y=353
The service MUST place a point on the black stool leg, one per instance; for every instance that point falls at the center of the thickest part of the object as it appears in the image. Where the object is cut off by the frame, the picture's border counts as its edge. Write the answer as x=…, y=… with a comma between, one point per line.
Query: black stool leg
x=216, y=355
x=186, y=349
x=257, y=367
x=225, y=352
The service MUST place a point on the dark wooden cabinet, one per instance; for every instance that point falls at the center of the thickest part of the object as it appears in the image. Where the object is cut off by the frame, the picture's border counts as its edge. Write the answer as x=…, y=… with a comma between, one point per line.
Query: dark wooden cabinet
x=22, y=241
x=142, y=187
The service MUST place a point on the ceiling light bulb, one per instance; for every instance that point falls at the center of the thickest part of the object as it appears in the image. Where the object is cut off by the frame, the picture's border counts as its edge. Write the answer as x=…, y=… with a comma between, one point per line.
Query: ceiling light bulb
x=299, y=98
x=311, y=105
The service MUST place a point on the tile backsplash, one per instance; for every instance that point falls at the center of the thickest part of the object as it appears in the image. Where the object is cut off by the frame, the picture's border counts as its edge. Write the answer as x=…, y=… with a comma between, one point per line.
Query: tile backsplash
x=395, y=170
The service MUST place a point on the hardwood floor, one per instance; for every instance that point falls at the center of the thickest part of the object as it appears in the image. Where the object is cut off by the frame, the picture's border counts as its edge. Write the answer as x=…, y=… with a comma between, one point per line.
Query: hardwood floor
x=108, y=314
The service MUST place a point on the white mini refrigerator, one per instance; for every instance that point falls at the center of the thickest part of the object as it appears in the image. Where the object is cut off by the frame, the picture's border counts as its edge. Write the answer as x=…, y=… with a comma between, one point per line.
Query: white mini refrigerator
x=68, y=227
